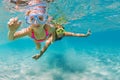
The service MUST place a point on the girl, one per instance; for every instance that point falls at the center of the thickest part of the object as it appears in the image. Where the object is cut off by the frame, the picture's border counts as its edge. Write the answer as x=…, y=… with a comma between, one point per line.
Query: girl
x=58, y=35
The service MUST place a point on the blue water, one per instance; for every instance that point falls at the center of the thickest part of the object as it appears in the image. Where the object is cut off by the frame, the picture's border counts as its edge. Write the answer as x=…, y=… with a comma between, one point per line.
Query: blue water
x=96, y=57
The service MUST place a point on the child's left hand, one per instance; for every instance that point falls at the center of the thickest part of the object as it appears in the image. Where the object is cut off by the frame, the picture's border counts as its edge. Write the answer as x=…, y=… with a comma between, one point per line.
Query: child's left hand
x=88, y=32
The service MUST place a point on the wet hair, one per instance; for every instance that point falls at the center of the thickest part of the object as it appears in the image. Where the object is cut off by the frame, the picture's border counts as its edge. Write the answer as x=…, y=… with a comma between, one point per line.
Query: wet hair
x=48, y=1
x=13, y=1
x=21, y=3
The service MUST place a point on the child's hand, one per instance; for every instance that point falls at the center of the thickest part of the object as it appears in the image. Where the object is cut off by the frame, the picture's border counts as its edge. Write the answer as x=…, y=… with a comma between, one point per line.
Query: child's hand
x=88, y=32
x=36, y=56
x=14, y=24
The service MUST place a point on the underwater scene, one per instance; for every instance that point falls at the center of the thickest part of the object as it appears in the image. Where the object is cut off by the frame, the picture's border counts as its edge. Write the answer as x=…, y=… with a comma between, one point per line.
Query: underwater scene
x=96, y=57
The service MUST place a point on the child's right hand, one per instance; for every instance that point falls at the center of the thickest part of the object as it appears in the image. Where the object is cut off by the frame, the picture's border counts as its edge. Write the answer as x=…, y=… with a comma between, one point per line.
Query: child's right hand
x=37, y=56
x=14, y=24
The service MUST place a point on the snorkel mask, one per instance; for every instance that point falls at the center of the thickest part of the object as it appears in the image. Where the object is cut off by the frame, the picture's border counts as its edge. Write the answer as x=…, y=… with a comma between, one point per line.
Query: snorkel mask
x=60, y=31
x=35, y=19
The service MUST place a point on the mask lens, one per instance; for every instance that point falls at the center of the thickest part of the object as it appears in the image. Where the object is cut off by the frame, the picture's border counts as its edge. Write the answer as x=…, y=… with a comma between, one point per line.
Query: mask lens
x=40, y=18
x=31, y=19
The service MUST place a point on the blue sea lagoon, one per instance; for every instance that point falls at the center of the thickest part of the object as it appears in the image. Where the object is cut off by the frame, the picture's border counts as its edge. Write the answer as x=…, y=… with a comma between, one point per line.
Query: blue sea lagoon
x=96, y=57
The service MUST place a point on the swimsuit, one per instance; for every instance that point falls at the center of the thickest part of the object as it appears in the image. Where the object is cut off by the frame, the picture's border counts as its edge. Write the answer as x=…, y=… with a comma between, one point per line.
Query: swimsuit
x=41, y=40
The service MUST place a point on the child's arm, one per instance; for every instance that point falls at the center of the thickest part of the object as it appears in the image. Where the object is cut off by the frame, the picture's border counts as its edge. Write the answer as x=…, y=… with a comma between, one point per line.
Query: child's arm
x=78, y=34
x=47, y=44
x=13, y=25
